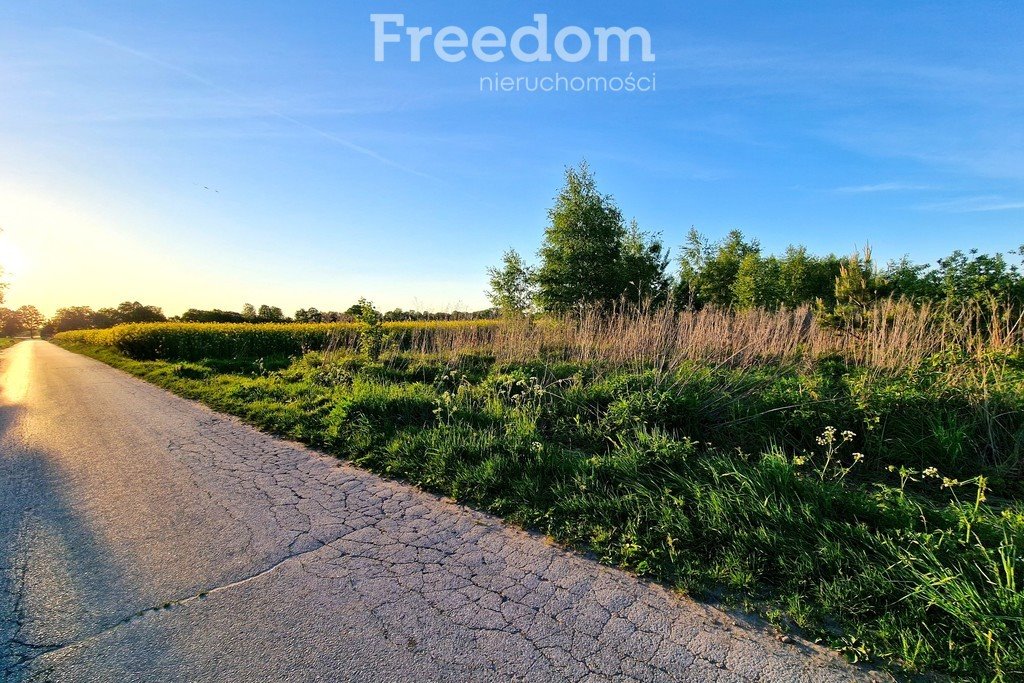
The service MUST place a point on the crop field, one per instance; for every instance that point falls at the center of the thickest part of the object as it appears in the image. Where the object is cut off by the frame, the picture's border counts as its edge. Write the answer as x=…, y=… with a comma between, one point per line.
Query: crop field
x=861, y=489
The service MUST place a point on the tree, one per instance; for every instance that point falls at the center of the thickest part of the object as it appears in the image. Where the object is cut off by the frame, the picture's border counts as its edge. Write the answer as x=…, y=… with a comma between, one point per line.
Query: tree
x=855, y=289
x=30, y=318
x=10, y=323
x=708, y=271
x=249, y=312
x=582, y=247
x=978, y=276
x=512, y=289
x=356, y=309
x=644, y=265
x=308, y=315
x=195, y=315
x=372, y=338
x=71, y=318
x=806, y=279
x=270, y=314
x=758, y=282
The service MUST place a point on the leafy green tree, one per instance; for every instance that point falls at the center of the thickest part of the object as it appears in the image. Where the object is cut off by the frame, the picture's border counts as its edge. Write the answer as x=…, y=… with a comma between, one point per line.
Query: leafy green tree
x=71, y=318
x=512, y=289
x=693, y=254
x=10, y=323
x=856, y=289
x=759, y=283
x=978, y=276
x=308, y=315
x=195, y=315
x=270, y=314
x=903, y=278
x=580, y=256
x=708, y=271
x=30, y=319
x=643, y=265
x=372, y=338
x=249, y=312
x=807, y=279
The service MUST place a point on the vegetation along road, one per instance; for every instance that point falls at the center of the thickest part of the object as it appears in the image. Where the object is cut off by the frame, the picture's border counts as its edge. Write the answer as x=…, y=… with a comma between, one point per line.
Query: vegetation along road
x=144, y=537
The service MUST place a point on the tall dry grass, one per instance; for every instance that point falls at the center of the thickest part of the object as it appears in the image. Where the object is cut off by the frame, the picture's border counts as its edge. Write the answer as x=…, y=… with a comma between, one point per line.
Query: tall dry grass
x=894, y=334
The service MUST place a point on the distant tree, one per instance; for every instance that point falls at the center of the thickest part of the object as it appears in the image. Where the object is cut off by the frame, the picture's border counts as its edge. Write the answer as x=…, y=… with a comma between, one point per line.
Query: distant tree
x=249, y=312
x=708, y=270
x=903, y=278
x=580, y=256
x=195, y=315
x=270, y=314
x=30, y=318
x=356, y=309
x=966, y=276
x=643, y=265
x=134, y=312
x=308, y=315
x=855, y=289
x=71, y=318
x=807, y=279
x=758, y=283
x=10, y=323
x=372, y=338
x=512, y=289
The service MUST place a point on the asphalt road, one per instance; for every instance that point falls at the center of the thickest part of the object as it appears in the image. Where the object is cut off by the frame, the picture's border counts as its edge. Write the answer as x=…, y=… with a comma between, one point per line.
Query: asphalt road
x=145, y=538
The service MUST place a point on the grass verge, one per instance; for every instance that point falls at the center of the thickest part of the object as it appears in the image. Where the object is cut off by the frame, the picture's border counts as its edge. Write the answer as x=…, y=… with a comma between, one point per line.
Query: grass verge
x=879, y=513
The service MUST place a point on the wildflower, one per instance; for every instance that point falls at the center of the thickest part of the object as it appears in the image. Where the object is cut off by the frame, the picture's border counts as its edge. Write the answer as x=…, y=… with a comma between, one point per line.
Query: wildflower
x=848, y=435
x=799, y=460
x=948, y=483
x=857, y=457
x=931, y=472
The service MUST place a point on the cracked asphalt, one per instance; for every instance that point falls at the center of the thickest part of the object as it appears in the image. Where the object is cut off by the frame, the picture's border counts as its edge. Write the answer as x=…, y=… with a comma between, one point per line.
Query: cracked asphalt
x=144, y=537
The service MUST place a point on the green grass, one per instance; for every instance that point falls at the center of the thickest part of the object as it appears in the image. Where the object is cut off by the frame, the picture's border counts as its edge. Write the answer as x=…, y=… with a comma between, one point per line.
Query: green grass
x=7, y=342
x=879, y=513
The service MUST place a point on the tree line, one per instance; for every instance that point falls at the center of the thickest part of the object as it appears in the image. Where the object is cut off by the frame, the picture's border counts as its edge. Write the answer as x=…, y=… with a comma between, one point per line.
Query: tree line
x=591, y=256
x=84, y=317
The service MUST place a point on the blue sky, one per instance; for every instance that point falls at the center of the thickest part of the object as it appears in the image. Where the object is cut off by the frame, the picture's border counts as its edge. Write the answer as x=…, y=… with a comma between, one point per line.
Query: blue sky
x=211, y=154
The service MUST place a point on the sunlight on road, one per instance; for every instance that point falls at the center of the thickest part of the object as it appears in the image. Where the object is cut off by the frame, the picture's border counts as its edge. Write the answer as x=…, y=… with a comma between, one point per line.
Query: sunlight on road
x=15, y=373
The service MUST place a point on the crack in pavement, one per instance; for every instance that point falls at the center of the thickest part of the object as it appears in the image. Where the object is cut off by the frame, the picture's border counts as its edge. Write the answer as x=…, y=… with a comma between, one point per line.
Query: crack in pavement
x=156, y=609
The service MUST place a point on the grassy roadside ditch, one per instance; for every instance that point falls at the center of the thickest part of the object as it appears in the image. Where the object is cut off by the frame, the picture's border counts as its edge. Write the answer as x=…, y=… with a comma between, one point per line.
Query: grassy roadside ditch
x=879, y=512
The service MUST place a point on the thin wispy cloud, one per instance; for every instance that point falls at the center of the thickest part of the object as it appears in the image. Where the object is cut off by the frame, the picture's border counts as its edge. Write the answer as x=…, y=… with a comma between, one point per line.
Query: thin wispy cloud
x=883, y=187
x=238, y=97
x=979, y=204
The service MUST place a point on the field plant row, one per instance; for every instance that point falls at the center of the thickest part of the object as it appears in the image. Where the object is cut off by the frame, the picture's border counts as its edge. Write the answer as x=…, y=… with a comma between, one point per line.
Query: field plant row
x=876, y=507
x=892, y=334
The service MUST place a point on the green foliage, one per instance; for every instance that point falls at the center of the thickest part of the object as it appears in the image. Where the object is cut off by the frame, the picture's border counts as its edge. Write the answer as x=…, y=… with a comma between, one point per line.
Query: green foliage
x=372, y=335
x=589, y=258
x=25, y=320
x=512, y=289
x=759, y=283
x=582, y=247
x=643, y=265
x=708, y=271
x=195, y=315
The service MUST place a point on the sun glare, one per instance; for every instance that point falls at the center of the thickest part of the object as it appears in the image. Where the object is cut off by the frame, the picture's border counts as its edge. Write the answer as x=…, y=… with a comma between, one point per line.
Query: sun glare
x=12, y=258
